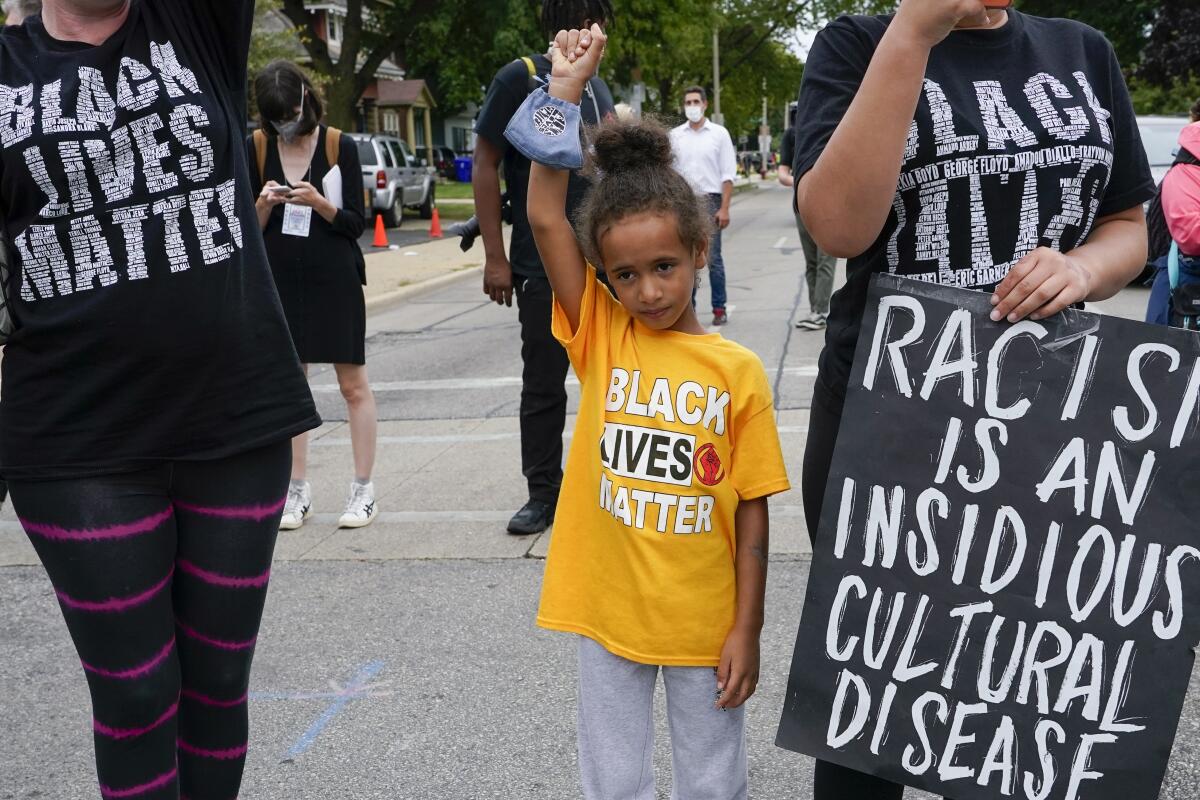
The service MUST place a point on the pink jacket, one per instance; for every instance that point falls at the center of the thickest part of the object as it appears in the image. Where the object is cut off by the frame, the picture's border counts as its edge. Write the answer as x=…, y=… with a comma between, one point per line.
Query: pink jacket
x=1181, y=196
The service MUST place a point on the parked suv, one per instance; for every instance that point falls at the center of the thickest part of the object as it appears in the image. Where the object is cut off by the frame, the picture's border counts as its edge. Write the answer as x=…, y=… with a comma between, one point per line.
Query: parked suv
x=394, y=178
x=443, y=162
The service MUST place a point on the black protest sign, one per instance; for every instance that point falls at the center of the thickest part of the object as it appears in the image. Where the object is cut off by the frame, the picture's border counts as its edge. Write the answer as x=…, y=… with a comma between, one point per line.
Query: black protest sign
x=1005, y=592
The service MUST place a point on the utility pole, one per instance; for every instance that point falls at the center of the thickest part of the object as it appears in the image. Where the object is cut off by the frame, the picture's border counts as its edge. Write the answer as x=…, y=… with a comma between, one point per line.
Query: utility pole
x=764, y=131
x=717, y=116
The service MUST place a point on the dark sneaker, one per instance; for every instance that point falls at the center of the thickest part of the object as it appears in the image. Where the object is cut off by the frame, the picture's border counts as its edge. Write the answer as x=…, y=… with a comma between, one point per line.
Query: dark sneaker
x=815, y=322
x=719, y=316
x=534, y=517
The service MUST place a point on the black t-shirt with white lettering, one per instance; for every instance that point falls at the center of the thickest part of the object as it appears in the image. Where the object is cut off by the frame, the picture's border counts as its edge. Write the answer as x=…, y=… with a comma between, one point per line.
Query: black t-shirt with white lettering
x=508, y=91
x=149, y=326
x=1023, y=137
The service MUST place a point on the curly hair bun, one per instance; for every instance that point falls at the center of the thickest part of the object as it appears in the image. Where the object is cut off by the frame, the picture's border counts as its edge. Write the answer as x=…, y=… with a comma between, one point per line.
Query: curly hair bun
x=631, y=145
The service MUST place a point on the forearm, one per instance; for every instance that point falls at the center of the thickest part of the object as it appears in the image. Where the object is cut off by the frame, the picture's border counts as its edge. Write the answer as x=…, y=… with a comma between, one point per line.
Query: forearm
x=552, y=230
x=349, y=222
x=485, y=182
x=750, y=562
x=846, y=197
x=547, y=204
x=326, y=210
x=1114, y=253
x=264, y=214
x=726, y=195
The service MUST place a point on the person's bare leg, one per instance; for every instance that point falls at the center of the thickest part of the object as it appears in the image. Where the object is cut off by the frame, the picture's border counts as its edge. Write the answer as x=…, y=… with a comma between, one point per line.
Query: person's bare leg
x=364, y=425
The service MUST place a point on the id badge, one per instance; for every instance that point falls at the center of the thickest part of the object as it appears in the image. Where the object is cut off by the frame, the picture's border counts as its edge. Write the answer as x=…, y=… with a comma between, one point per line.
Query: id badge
x=297, y=220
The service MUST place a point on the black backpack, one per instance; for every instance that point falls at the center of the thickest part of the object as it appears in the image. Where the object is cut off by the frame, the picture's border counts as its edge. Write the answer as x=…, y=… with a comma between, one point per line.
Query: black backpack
x=1156, y=220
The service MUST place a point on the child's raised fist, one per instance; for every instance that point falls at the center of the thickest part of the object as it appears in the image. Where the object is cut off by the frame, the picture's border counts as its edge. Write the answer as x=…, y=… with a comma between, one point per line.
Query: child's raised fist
x=575, y=54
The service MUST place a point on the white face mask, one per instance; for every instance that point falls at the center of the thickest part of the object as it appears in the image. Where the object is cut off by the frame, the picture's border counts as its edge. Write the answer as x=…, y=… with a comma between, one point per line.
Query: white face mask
x=290, y=130
x=694, y=113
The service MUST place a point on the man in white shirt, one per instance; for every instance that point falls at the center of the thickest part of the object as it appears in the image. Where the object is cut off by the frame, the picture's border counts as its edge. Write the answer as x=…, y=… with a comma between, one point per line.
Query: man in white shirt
x=704, y=155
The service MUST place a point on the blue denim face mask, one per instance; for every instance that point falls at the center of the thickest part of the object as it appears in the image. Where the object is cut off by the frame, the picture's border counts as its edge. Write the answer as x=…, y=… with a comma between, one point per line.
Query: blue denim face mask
x=546, y=129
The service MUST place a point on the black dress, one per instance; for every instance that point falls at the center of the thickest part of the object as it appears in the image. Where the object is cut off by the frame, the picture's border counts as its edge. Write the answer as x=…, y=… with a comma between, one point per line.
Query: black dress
x=319, y=277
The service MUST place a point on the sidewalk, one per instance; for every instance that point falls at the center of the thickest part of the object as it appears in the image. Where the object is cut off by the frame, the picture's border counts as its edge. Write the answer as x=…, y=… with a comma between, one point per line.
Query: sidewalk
x=395, y=274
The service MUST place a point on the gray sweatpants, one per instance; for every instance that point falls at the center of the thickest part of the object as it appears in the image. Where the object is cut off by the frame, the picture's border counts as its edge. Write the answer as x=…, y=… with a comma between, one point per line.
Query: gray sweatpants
x=819, y=270
x=616, y=731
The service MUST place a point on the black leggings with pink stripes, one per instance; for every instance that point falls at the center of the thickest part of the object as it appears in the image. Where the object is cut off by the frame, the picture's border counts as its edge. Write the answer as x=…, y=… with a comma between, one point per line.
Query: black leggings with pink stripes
x=162, y=576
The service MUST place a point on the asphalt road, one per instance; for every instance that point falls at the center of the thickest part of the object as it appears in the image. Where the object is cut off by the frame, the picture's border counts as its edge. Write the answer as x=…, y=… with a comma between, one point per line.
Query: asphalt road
x=402, y=661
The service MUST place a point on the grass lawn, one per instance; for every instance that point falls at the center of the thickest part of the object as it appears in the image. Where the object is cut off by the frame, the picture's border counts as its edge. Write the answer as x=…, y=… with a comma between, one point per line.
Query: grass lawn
x=455, y=191
x=456, y=211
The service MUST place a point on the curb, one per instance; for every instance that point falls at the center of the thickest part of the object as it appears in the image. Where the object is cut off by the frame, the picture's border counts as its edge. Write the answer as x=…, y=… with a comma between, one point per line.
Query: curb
x=379, y=302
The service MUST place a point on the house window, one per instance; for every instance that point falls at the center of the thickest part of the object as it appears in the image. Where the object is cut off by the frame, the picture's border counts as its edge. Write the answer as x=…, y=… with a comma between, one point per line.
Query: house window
x=419, y=126
x=462, y=139
x=391, y=122
x=333, y=21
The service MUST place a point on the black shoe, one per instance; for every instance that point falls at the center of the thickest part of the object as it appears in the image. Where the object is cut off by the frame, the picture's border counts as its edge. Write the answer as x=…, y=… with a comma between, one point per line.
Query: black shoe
x=534, y=517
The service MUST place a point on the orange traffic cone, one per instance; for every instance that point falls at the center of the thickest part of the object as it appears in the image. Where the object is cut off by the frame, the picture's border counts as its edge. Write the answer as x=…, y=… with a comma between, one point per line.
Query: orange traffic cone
x=435, y=230
x=381, y=239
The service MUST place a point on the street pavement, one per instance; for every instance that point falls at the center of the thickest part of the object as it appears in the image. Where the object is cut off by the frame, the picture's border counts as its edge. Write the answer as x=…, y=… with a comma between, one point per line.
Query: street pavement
x=401, y=660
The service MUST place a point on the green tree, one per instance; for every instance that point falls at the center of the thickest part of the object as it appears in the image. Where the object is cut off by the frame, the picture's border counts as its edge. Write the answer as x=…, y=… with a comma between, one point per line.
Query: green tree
x=667, y=44
x=373, y=31
x=1126, y=23
x=458, y=49
x=1173, y=51
x=269, y=40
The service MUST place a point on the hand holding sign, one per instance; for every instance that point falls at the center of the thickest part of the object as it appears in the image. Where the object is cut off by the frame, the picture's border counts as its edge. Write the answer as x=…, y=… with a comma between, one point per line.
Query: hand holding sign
x=1040, y=285
x=1011, y=610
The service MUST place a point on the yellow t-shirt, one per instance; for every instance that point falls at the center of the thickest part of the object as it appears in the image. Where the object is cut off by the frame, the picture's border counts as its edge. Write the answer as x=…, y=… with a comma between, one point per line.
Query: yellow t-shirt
x=673, y=430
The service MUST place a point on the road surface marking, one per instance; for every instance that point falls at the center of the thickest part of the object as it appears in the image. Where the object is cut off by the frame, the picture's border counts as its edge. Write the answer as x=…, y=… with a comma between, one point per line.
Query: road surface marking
x=475, y=384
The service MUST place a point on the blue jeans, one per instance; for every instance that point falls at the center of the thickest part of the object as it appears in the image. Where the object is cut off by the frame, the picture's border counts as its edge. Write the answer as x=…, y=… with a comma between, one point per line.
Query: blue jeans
x=716, y=264
x=1159, y=309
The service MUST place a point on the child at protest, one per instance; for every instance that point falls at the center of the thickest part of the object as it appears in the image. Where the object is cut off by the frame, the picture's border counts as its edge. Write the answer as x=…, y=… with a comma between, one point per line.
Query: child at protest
x=659, y=554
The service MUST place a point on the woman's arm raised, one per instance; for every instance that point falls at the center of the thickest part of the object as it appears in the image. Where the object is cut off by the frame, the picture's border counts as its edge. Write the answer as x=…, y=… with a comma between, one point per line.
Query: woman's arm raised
x=846, y=197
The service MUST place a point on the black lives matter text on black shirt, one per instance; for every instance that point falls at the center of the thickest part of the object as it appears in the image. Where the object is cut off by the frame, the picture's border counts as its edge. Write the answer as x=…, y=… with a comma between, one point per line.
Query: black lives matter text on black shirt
x=508, y=91
x=149, y=324
x=1023, y=137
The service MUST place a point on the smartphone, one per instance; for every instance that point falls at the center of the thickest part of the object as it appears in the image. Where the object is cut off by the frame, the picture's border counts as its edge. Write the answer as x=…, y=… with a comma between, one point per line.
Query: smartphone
x=998, y=3
x=279, y=189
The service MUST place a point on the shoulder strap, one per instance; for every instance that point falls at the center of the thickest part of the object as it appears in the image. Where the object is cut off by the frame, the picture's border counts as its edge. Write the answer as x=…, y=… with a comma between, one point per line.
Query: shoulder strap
x=333, y=146
x=1173, y=266
x=1184, y=156
x=260, y=153
x=529, y=65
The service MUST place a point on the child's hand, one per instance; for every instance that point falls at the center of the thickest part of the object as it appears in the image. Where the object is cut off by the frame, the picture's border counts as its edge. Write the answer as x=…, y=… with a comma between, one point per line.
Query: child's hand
x=737, y=677
x=575, y=55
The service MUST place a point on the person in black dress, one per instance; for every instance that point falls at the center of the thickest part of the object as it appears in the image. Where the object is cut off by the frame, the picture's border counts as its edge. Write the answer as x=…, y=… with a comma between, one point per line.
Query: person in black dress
x=312, y=213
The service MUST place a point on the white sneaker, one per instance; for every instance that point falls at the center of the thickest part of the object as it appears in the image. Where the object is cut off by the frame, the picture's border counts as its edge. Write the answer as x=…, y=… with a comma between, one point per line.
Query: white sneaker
x=297, y=508
x=360, y=508
x=814, y=322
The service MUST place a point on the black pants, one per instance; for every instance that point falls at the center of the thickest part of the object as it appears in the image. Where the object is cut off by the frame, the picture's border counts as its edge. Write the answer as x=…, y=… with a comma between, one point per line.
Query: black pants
x=831, y=781
x=162, y=575
x=543, y=393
